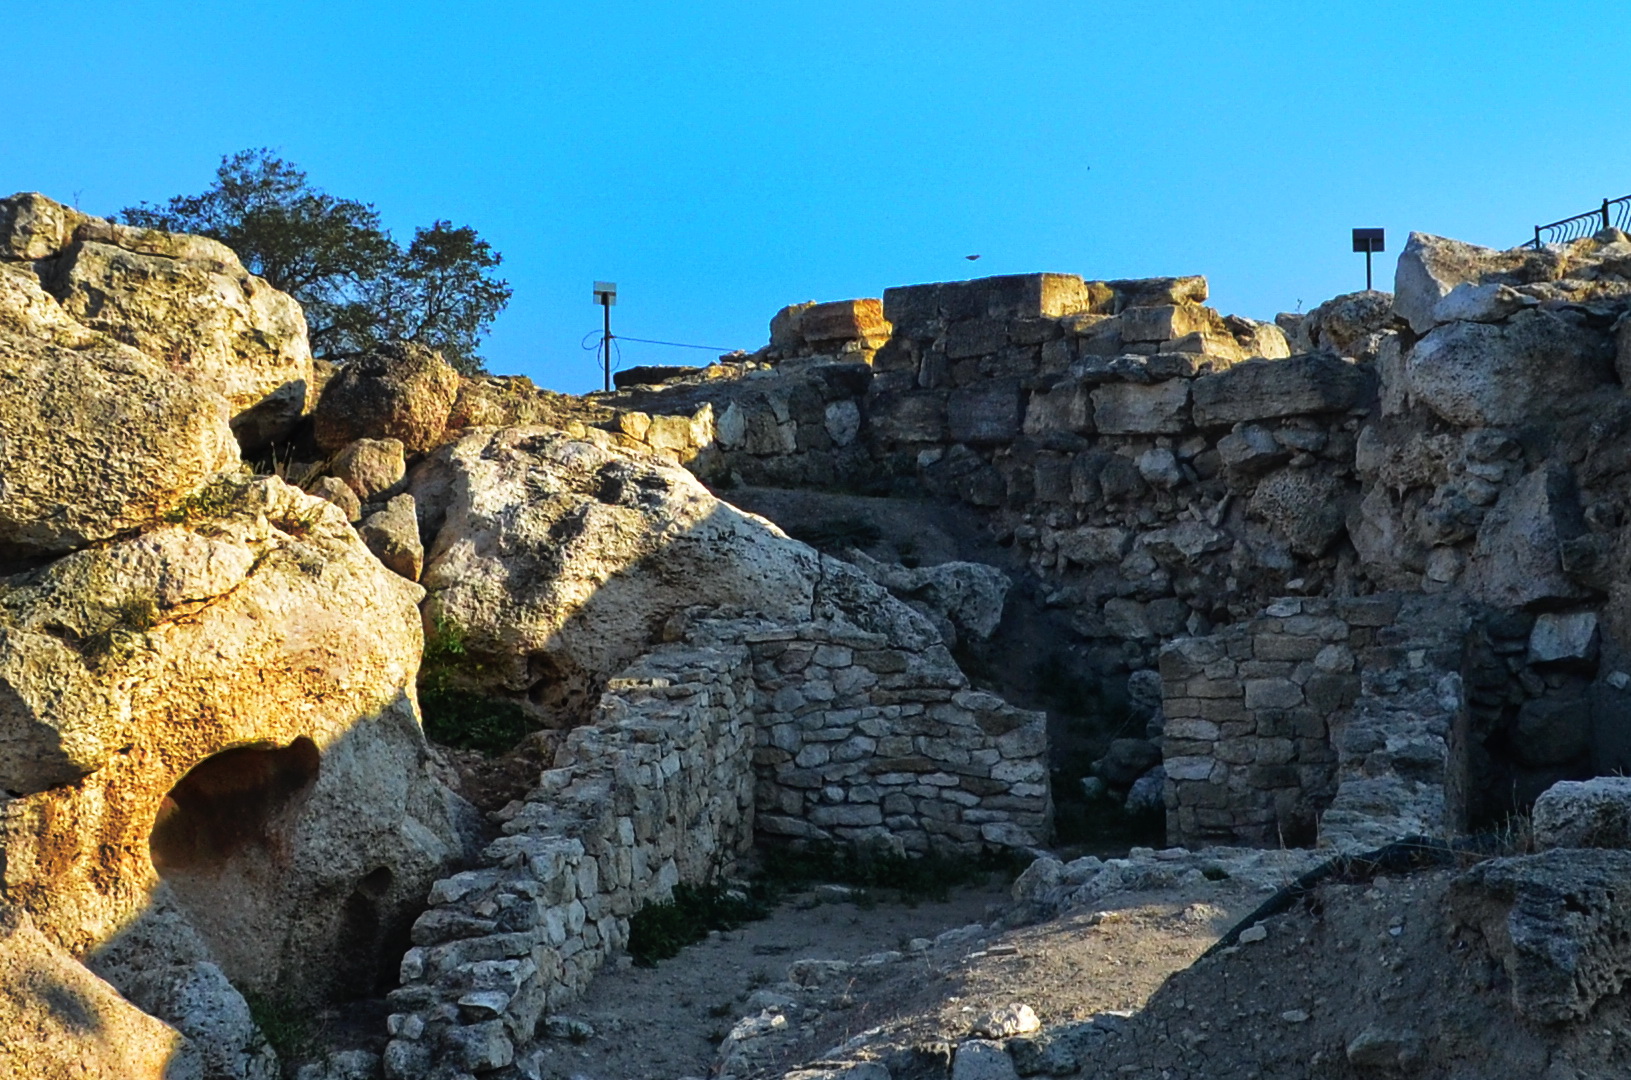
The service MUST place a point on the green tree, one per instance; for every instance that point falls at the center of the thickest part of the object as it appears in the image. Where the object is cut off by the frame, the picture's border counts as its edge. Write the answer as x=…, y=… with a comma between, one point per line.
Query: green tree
x=357, y=285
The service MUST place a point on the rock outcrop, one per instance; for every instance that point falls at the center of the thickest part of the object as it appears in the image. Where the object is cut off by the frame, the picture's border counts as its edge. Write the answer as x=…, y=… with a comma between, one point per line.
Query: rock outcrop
x=185, y=302
x=206, y=707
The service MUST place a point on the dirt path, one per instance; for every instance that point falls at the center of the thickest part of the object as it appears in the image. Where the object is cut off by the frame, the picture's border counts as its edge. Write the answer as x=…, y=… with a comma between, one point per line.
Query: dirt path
x=667, y=1022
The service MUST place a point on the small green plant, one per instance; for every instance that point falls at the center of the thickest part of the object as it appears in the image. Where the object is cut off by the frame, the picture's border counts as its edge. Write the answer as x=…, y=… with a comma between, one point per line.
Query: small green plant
x=134, y=614
x=219, y=498
x=468, y=721
x=659, y=931
x=289, y=1030
x=457, y=717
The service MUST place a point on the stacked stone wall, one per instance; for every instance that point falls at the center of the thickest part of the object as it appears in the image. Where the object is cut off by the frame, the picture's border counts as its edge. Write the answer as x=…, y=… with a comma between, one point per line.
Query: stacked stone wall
x=1118, y=434
x=658, y=791
x=862, y=741
x=831, y=734
x=1247, y=741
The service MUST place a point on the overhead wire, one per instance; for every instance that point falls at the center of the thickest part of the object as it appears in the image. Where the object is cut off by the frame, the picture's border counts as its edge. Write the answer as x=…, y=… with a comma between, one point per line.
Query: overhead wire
x=593, y=340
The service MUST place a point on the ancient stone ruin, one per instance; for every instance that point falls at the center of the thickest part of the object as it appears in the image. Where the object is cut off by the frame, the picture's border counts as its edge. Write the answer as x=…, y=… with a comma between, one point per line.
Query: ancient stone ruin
x=1343, y=578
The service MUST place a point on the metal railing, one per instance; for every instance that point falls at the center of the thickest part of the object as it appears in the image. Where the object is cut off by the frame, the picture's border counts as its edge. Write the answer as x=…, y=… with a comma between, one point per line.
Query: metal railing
x=1614, y=213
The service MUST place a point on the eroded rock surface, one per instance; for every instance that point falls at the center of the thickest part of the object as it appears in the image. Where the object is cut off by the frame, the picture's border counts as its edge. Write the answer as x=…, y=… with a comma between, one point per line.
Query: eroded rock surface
x=185, y=302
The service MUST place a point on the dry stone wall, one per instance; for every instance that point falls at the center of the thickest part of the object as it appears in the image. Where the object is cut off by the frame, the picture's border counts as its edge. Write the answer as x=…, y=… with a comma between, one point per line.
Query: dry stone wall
x=1246, y=744
x=1118, y=435
x=659, y=790
x=828, y=734
x=863, y=741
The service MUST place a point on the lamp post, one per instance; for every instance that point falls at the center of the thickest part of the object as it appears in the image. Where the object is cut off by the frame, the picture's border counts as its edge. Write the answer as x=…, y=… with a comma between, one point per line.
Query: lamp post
x=606, y=296
x=1368, y=240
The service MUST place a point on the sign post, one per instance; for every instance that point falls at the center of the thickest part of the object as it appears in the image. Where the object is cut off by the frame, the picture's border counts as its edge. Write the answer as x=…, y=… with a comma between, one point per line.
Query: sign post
x=1368, y=240
x=606, y=296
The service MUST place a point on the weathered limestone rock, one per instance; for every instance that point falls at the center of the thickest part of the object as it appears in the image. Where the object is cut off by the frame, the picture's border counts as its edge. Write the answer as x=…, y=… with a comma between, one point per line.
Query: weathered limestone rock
x=1344, y=322
x=1563, y=637
x=189, y=304
x=1537, y=364
x=371, y=467
x=1261, y=390
x=1130, y=409
x=399, y=391
x=966, y=597
x=1067, y=407
x=1167, y=322
x=1155, y=292
x=1306, y=506
x=1592, y=813
x=1516, y=560
x=1559, y=922
x=1430, y=267
x=920, y=310
x=392, y=534
x=224, y=706
x=333, y=489
x=34, y=227
x=844, y=320
x=1552, y=730
x=97, y=441
x=984, y=415
x=785, y=325
x=60, y=1022
x=561, y=560
x=223, y=1042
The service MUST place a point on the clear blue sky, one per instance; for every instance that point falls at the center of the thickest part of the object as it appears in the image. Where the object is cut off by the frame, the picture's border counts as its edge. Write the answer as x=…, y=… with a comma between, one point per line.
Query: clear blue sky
x=719, y=159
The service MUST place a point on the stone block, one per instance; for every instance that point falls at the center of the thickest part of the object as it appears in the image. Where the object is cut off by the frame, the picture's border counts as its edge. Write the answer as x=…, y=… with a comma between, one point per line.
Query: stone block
x=1153, y=292
x=1132, y=409
x=1560, y=637
x=1272, y=694
x=1167, y=322
x=1067, y=408
x=844, y=320
x=984, y=415
x=909, y=417
x=975, y=337
x=1592, y=813
x=1268, y=389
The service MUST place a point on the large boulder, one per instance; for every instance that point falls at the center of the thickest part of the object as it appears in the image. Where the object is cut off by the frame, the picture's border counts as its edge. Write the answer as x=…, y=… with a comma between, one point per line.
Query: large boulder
x=194, y=307
x=1517, y=559
x=1592, y=813
x=398, y=391
x=1430, y=268
x=60, y=1022
x=98, y=440
x=964, y=599
x=1344, y=324
x=558, y=561
x=219, y=713
x=184, y=301
x=1559, y=923
x=1269, y=389
x=1537, y=364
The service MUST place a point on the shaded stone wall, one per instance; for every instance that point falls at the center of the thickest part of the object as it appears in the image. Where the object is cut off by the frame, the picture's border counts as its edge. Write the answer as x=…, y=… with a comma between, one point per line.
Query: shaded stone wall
x=1117, y=434
x=1247, y=744
x=831, y=735
x=861, y=741
x=658, y=791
